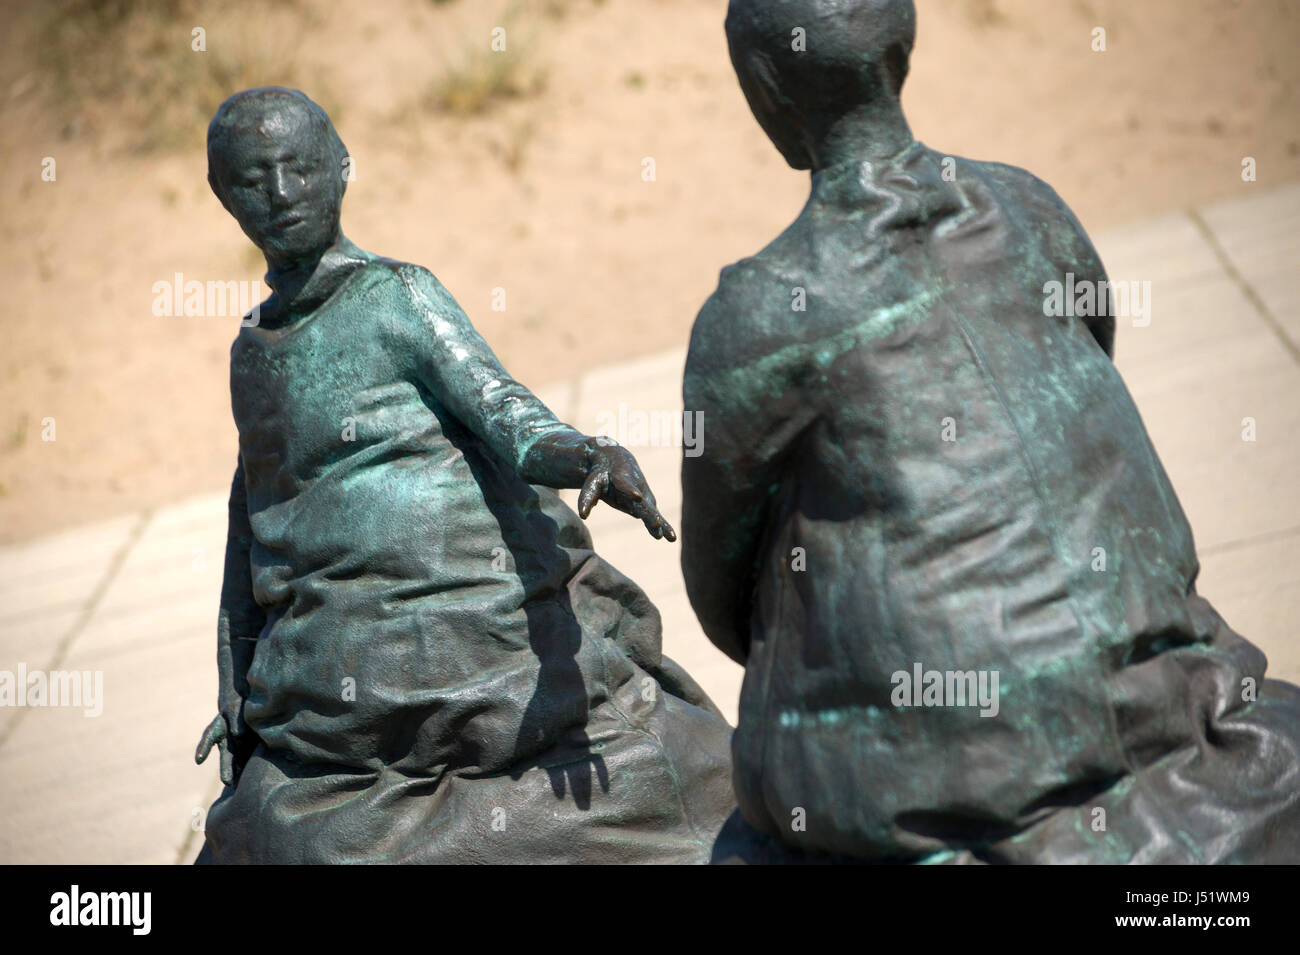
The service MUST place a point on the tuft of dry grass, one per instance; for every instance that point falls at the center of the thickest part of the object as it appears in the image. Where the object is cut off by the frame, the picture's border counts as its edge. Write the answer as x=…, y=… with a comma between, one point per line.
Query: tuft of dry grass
x=486, y=77
x=481, y=82
x=984, y=13
x=134, y=63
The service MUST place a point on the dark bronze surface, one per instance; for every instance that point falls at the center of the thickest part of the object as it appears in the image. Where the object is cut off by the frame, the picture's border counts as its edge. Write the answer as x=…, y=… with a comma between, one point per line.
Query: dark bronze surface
x=913, y=462
x=421, y=658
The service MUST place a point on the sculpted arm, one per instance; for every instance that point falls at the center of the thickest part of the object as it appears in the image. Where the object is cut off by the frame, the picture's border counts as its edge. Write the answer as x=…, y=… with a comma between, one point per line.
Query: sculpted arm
x=457, y=365
x=753, y=411
x=239, y=624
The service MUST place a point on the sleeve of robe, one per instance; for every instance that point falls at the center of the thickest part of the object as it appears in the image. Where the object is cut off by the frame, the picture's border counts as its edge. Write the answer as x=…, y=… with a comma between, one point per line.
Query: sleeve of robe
x=240, y=618
x=456, y=364
x=1067, y=246
x=1072, y=248
x=754, y=412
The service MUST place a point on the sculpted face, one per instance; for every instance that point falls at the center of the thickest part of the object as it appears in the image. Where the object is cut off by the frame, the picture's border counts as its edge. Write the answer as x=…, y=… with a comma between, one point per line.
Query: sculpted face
x=276, y=171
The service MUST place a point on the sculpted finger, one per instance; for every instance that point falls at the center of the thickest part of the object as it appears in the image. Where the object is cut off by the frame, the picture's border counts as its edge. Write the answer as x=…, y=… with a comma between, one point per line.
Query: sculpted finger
x=214, y=733
x=655, y=523
x=630, y=486
x=227, y=766
x=591, y=491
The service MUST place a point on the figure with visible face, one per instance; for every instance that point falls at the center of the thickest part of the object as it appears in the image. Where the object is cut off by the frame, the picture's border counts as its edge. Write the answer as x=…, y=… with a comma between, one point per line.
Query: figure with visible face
x=281, y=172
x=935, y=479
x=421, y=658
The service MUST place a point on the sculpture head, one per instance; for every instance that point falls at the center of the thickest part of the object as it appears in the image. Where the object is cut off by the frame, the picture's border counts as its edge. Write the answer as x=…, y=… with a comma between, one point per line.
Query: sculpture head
x=851, y=57
x=277, y=165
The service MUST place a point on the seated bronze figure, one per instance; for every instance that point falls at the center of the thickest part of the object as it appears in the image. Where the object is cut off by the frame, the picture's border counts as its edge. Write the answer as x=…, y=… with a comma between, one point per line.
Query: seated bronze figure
x=421, y=658
x=930, y=470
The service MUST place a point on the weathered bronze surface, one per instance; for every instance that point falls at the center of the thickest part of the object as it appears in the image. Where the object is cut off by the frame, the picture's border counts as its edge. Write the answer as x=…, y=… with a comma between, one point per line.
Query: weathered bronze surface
x=421, y=658
x=917, y=464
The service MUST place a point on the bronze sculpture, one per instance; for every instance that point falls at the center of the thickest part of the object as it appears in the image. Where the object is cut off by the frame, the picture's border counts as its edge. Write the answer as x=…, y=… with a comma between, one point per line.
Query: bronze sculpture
x=929, y=471
x=421, y=658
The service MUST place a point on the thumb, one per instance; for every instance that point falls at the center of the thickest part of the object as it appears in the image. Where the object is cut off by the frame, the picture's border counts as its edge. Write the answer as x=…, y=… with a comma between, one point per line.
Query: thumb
x=591, y=491
x=215, y=732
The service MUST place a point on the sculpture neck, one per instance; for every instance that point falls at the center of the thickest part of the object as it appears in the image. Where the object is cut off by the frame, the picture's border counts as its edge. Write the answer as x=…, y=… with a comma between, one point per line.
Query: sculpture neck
x=869, y=133
x=301, y=286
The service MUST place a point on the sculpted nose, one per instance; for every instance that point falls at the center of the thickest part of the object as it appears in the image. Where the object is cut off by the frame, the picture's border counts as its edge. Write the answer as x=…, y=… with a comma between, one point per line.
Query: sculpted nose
x=279, y=185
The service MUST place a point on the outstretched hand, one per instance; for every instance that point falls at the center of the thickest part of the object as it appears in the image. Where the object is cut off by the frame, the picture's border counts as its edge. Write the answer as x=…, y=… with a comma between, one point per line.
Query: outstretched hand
x=615, y=478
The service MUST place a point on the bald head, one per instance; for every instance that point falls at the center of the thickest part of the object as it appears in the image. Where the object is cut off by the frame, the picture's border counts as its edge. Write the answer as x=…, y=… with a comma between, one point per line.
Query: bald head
x=278, y=166
x=804, y=64
x=265, y=112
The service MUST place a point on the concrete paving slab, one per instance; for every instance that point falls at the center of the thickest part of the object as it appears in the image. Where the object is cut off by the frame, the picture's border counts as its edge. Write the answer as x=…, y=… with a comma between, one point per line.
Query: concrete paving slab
x=1260, y=235
x=37, y=636
x=1256, y=588
x=118, y=786
x=76, y=547
x=1230, y=488
x=48, y=593
x=1186, y=316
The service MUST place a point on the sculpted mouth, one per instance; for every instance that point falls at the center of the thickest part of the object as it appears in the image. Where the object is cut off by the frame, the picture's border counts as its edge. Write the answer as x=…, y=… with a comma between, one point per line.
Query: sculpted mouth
x=289, y=221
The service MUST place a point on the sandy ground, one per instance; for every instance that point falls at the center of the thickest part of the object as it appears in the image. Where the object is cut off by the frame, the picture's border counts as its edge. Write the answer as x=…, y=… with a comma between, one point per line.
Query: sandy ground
x=541, y=195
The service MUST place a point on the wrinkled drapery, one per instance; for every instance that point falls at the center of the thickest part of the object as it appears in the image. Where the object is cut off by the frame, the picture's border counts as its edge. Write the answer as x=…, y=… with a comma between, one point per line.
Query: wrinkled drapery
x=430, y=661
x=928, y=467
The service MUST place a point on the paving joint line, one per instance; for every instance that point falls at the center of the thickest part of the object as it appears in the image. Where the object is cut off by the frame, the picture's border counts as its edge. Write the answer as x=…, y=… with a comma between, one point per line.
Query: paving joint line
x=1226, y=546
x=1240, y=280
x=92, y=604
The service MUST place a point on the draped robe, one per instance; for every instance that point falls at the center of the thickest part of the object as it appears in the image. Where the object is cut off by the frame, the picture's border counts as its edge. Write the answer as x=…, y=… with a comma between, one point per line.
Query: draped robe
x=422, y=650
x=923, y=467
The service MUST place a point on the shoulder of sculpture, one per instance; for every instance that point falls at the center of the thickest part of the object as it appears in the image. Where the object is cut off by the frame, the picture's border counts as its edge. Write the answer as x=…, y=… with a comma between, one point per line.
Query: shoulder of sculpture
x=1020, y=181
x=1022, y=187
x=744, y=320
x=747, y=301
x=412, y=284
x=383, y=270
x=752, y=289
